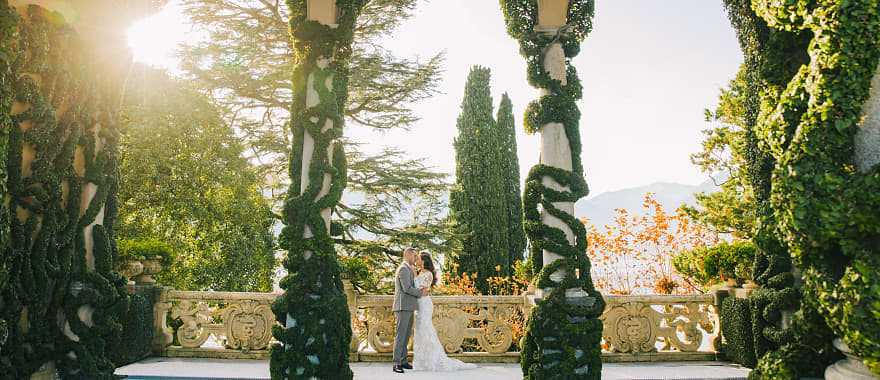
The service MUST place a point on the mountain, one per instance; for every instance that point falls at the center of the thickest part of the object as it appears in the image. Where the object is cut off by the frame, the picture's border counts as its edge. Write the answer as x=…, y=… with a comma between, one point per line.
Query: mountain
x=600, y=209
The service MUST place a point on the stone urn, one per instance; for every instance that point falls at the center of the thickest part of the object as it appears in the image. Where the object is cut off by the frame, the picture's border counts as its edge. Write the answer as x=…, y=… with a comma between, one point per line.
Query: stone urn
x=152, y=265
x=849, y=368
x=130, y=268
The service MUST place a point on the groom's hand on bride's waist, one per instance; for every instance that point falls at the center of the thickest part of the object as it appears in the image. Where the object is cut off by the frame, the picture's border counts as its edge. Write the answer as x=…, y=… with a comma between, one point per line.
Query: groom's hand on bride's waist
x=425, y=291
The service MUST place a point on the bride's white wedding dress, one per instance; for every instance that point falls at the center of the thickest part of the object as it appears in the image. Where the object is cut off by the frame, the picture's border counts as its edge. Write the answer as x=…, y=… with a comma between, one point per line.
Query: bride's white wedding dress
x=428, y=353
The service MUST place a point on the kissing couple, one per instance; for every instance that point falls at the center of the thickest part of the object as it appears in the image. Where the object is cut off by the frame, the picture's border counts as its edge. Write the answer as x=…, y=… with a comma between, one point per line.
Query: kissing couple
x=414, y=280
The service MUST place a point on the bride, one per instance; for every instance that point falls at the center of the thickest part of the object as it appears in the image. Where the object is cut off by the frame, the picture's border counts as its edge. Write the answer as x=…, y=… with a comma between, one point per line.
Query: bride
x=428, y=353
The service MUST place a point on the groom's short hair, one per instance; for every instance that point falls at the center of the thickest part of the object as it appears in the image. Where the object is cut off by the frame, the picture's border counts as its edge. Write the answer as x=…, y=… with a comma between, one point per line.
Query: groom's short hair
x=410, y=249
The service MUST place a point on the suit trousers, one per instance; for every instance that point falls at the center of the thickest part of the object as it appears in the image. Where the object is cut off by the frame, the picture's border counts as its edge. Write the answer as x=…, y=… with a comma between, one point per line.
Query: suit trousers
x=402, y=332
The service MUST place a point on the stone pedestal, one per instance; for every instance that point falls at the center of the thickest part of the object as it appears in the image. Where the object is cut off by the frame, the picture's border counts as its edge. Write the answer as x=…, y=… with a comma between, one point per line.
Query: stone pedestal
x=849, y=368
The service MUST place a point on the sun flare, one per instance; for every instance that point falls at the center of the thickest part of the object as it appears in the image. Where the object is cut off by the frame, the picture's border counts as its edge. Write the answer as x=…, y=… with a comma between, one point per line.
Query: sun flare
x=154, y=40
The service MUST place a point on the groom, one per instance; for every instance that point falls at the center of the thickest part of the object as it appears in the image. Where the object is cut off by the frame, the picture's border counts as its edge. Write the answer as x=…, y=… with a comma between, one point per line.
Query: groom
x=406, y=297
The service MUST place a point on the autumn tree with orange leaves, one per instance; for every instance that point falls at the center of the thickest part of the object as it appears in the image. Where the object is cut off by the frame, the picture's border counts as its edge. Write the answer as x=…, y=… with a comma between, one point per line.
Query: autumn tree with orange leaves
x=634, y=254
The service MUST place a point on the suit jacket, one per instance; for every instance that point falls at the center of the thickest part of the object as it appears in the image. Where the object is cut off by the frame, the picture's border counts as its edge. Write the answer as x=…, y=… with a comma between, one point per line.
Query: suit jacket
x=406, y=294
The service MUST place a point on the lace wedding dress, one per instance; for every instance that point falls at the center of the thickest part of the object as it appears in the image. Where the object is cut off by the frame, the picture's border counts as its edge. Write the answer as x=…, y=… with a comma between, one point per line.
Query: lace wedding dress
x=428, y=353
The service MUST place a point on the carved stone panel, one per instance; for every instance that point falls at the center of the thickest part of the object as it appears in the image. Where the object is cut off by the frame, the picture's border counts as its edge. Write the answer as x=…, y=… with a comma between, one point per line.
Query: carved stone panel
x=451, y=323
x=238, y=321
x=248, y=325
x=629, y=327
x=646, y=324
x=195, y=317
x=380, y=328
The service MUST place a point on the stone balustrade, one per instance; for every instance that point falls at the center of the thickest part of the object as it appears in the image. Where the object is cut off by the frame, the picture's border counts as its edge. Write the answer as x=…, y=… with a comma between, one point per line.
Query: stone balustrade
x=482, y=328
x=213, y=324
x=473, y=328
x=660, y=327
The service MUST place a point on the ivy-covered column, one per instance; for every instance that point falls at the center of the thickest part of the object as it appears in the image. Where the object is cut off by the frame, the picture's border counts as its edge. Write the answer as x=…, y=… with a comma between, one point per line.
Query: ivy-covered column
x=8, y=31
x=563, y=335
x=67, y=62
x=826, y=200
x=788, y=334
x=316, y=332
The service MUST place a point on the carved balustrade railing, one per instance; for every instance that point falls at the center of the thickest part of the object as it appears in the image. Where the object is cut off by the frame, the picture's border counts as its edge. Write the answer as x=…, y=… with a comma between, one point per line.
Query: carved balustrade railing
x=470, y=326
x=660, y=327
x=474, y=328
x=213, y=324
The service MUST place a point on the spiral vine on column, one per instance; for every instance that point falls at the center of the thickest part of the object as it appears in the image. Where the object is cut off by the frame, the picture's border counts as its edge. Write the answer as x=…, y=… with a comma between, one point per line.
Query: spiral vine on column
x=8, y=31
x=563, y=337
x=313, y=310
x=63, y=134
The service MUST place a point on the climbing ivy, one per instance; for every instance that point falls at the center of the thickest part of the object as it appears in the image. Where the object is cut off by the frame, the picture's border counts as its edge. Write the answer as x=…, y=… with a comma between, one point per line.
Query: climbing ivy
x=8, y=30
x=771, y=59
x=317, y=330
x=562, y=339
x=828, y=211
x=51, y=277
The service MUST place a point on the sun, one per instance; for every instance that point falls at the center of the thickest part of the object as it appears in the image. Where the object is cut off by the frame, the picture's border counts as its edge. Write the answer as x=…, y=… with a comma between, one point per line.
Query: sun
x=154, y=40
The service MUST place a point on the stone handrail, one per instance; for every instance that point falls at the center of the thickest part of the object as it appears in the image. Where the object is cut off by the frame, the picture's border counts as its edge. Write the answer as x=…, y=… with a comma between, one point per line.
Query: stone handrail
x=660, y=327
x=476, y=328
x=487, y=320
x=239, y=323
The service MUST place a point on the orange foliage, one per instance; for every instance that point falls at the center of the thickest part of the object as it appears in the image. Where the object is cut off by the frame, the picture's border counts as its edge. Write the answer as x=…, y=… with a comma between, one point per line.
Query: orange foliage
x=452, y=284
x=634, y=255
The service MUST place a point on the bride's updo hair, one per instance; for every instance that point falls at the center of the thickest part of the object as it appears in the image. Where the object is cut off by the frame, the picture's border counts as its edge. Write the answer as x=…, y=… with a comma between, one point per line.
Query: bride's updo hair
x=429, y=265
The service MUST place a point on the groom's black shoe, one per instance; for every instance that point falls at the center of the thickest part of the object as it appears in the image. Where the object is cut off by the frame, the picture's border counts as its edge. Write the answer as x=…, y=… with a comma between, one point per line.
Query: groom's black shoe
x=397, y=369
x=406, y=366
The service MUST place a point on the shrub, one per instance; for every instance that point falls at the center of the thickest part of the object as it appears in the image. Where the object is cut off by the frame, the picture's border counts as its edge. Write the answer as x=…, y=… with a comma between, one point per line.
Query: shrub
x=710, y=265
x=135, y=341
x=736, y=328
x=139, y=249
x=367, y=275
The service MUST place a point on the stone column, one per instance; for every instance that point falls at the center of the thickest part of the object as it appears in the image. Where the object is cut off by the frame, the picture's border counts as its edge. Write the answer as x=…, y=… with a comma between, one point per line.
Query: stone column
x=867, y=156
x=556, y=153
x=867, y=139
x=564, y=330
x=323, y=12
x=64, y=133
x=316, y=338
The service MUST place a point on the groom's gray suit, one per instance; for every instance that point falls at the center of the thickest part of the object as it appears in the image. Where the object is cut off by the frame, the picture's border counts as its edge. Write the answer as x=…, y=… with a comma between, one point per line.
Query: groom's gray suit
x=406, y=300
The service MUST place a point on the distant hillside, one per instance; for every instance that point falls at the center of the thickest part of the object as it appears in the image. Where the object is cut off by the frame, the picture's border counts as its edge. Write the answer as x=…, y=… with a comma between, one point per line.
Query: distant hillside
x=600, y=209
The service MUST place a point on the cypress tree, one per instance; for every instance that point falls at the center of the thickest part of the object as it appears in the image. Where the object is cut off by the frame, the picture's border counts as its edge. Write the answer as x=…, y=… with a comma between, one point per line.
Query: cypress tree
x=477, y=202
x=516, y=237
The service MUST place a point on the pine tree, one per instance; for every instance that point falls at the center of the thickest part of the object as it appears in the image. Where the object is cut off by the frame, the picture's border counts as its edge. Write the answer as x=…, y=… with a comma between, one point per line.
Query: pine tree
x=478, y=201
x=250, y=79
x=516, y=237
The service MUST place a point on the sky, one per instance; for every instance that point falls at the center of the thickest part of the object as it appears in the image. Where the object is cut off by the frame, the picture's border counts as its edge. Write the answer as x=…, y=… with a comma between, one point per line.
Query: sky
x=649, y=68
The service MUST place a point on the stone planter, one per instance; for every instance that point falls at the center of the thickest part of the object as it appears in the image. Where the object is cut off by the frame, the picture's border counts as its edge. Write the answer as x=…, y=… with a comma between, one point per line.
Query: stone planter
x=130, y=269
x=151, y=266
x=849, y=368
